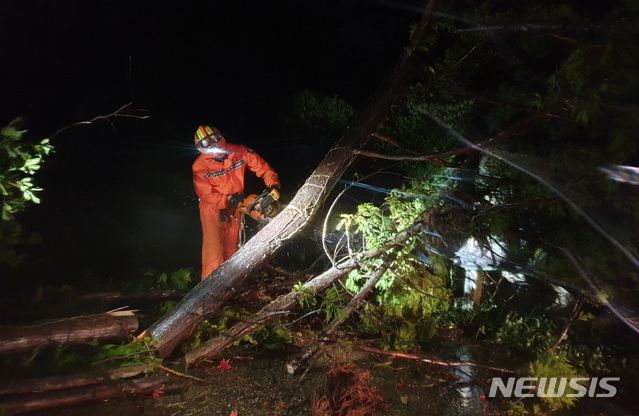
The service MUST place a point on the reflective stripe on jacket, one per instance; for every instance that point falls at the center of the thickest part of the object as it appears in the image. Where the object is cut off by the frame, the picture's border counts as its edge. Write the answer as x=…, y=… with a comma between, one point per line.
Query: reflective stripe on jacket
x=215, y=180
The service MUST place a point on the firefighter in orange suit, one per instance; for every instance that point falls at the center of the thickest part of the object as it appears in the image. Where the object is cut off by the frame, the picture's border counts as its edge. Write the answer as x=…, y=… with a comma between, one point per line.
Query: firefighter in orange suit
x=218, y=175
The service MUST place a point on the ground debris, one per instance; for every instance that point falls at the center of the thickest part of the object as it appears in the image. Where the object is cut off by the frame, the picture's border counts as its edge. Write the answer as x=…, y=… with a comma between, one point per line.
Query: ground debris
x=347, y=392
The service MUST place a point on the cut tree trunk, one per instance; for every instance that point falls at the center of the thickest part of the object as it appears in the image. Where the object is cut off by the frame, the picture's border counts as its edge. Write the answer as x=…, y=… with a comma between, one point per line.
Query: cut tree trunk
x=81, y=396
x=210, y=294
x=70, y=331
x=18, y=311
x=73, y=381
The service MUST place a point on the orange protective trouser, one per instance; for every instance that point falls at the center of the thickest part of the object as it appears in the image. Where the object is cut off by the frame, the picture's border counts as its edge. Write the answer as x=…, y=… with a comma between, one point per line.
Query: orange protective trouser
x=219, y=238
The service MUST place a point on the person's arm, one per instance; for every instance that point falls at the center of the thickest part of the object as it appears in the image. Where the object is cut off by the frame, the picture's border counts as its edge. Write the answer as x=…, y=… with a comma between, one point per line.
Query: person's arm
x=206, y=192
x=262, y=169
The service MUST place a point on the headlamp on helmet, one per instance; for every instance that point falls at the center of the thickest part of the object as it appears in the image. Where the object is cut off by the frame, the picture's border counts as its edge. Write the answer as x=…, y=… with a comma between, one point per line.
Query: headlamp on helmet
x=207, y=137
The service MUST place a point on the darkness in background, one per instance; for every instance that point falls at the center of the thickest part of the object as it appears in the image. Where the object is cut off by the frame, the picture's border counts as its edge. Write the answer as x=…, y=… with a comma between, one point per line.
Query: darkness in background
x=120, y=199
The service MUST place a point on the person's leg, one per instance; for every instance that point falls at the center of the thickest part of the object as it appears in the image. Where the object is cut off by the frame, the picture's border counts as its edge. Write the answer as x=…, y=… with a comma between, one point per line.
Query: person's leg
x=212, y=239
x=232, y=235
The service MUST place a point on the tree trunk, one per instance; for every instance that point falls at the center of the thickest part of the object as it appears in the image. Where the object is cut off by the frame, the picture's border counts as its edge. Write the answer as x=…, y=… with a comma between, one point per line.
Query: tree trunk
x=71, y=331
x=478, y=294
x=213, y=291
x=81, y=396
x=73, y=381
x=18, y=311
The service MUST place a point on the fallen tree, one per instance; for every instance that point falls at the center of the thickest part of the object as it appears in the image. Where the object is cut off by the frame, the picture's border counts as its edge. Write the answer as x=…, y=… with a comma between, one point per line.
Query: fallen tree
x=284, y=303
x=73, y=381
x=19, y=311
x=281, y=305
x=210, y=294
x=70, y=331
x=146, y=386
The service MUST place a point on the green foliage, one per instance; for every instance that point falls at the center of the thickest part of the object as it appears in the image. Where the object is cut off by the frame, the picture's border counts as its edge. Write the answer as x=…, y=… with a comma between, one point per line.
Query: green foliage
x=316, y=120
x=369, y=221
x=409, y=292
x=180, y=279
x=592, y=359
x=152, y=279
x=19, y=162
x=120, y=355
x=307, y=296
x=556, y=365
x=518, y=409
x=316, y=112
x=44, y=362
x=211, y=328
x=73, y=359
x=262, y=337
x=166, y=307
x=581, y=83
x=333, y=305
x=526, y=334
x=268, y=337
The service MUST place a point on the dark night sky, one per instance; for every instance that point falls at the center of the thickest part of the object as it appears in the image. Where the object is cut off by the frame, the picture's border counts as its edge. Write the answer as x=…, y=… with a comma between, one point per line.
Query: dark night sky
x=119, y=200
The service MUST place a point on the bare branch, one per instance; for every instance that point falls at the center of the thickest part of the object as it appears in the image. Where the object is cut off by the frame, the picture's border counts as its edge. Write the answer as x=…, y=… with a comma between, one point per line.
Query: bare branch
x=120, y=112
x=438, y=362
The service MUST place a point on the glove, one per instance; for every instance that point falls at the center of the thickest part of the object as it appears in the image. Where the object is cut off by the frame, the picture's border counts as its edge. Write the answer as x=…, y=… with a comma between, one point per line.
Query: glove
x=236, y=199
x=270, y=189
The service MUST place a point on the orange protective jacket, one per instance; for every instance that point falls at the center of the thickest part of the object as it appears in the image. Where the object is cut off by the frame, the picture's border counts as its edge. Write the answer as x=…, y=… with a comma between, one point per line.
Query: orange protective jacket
x=214, y=181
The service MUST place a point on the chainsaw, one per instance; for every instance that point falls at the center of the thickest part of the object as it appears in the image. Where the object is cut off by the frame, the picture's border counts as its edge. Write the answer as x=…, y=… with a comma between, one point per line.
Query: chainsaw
x=263, y=207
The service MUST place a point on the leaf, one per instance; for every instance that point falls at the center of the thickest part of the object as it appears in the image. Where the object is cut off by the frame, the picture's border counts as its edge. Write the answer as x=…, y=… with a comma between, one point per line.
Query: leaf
x=224, y=365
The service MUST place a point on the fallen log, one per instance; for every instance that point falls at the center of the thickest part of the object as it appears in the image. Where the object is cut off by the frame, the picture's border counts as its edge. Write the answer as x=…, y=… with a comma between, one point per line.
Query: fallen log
x=46, y=384
x=151, y=296
x=210, y=294
x=70, y=331
x=44, y=305
x=54, y=400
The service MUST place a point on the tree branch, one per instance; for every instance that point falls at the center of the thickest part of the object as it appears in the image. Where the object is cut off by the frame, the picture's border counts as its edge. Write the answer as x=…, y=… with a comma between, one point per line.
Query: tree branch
x=364, y=291
x=438, y=362
x=572, y=319
x=117, y=113
x=438, y=157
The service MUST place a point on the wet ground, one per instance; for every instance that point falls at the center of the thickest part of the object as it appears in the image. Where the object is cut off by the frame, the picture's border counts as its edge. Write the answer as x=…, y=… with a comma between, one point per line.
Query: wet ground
x=261, y=386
